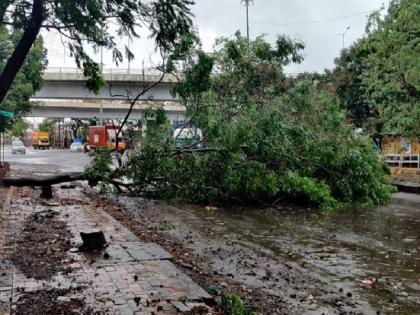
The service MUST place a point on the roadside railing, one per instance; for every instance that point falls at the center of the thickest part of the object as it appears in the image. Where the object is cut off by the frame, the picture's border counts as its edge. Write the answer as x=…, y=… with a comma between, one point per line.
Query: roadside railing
x=403, y=160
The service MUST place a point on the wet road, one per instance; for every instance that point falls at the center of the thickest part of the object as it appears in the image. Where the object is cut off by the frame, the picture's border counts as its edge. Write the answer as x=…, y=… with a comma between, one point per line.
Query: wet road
x=47, y=161
x=371, y=256
x=315, y=261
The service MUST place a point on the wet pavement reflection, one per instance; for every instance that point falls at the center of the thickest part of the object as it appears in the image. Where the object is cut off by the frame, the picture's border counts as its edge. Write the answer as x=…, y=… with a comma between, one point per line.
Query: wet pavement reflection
x=372, y=252
x=376, y=249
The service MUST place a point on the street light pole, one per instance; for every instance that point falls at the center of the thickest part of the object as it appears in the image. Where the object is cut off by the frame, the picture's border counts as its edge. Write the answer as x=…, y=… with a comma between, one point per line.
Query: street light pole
x=344, y=34
x=247, y=3
x=128, y=54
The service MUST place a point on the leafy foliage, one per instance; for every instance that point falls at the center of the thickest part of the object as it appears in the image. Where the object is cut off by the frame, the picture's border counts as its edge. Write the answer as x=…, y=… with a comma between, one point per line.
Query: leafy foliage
x=79, y=127
x=100, y=168
x=47, y=124
x=265, y=139
x=19, y=127
x=377, y=79
x=91, y=22
x=29, y=79
x=350, y=87
x=232, y=304
x=393, y=81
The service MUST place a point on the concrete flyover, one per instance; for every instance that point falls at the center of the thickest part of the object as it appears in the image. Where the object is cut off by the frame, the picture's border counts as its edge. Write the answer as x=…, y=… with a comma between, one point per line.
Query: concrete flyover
x=64, y=95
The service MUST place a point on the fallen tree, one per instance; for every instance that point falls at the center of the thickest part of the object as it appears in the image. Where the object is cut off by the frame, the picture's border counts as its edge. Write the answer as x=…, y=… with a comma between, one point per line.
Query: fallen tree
x=45, y=182
x=265, y=138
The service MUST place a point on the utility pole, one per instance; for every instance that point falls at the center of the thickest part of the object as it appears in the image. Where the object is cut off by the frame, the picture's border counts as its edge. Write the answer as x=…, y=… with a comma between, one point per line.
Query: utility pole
x=128, y=54
x=344, y=34
x=247, y=3
x=102, y=58
x=102, y=55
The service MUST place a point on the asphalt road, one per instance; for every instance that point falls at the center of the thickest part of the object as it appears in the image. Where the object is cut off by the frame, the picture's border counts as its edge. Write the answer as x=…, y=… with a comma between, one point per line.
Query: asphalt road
x=47, y=161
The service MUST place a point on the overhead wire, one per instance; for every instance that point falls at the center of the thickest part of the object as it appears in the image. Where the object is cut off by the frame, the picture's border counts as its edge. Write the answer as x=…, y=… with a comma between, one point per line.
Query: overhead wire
x=314, y=22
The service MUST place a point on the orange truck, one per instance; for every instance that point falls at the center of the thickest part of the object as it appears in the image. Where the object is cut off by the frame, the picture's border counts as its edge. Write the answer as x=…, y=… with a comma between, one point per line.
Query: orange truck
x=40, y=140
x=105, y=137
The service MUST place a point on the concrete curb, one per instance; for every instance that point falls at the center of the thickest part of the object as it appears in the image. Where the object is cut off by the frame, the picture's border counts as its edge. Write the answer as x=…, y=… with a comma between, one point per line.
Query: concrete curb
x=412, y=188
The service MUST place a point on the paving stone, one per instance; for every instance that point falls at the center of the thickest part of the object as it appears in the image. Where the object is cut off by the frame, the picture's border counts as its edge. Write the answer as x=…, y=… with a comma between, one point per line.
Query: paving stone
x=108, y=285
x=148, y=251
x=180, y=306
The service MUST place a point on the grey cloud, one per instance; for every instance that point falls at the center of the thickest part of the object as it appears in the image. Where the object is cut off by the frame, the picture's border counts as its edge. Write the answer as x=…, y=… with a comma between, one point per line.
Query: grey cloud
x=301, y=19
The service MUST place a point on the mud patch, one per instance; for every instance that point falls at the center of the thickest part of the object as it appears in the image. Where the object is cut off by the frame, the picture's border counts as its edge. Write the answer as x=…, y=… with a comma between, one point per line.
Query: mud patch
x=42, y=246
x=50, y=302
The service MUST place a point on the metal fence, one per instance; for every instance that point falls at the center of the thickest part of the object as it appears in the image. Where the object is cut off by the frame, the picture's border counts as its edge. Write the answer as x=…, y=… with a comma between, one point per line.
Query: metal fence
x=403, y=160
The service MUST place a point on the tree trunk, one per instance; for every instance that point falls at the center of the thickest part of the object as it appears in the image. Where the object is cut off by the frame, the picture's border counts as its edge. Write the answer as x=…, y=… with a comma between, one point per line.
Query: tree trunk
x=46, y=192
x=40, y=181
x=22, y=49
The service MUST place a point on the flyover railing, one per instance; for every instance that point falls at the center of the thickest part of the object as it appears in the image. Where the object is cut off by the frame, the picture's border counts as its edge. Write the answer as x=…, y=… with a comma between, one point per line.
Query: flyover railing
x=110, y=71
x=403, y=160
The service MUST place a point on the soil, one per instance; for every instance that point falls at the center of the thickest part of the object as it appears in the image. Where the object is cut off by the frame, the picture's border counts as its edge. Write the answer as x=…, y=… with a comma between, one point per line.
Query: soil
x=50, y=302
x=40, y=252
x=198, y=310
x=42, y=246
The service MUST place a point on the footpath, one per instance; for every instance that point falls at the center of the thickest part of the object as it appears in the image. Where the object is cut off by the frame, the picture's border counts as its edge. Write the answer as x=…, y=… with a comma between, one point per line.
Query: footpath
x=42, y=271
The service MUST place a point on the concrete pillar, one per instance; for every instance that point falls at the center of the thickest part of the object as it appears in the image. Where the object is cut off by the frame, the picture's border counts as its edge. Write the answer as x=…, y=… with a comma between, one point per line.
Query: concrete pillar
x=101, y=114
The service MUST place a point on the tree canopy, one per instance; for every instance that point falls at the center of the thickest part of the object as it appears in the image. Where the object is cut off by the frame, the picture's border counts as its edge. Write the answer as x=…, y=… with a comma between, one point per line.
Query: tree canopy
x=48, y=124
x=265, y=138
x=377, y=79
x=19, y=127
x=29, y=79
x=85, y=23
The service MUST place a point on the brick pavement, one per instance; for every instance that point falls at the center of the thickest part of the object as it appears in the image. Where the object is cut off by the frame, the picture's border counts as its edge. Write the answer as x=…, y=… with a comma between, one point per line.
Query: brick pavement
x=131, y=278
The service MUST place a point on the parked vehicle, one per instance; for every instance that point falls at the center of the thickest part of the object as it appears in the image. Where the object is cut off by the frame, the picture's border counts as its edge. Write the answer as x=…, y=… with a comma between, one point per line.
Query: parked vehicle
x=77, y=147
x=188, y=137
x=18, y=147
x=40, y=140
x=105, y=137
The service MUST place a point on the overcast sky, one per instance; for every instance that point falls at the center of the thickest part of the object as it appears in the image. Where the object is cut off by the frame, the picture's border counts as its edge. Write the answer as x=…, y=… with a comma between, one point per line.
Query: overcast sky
x=318, y=23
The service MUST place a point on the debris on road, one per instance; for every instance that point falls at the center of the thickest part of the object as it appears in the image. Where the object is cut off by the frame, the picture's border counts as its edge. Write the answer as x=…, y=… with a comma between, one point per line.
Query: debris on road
x=43, y=271
x=42, y=245
x=93, y=240
x=50, y=302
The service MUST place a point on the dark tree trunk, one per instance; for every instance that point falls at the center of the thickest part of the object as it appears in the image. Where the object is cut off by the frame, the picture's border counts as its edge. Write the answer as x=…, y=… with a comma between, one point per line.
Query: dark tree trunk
x=46, y=192
x=41, y=181
x=22, y=49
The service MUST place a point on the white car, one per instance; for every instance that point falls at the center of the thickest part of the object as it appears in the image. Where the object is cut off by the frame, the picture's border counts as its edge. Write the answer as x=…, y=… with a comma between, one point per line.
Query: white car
x=18, y=147
x=77, y=147
x=190, y=137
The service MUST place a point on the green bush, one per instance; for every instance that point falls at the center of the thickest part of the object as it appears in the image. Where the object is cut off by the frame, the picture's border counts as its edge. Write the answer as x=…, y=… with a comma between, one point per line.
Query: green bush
x=232, y=304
